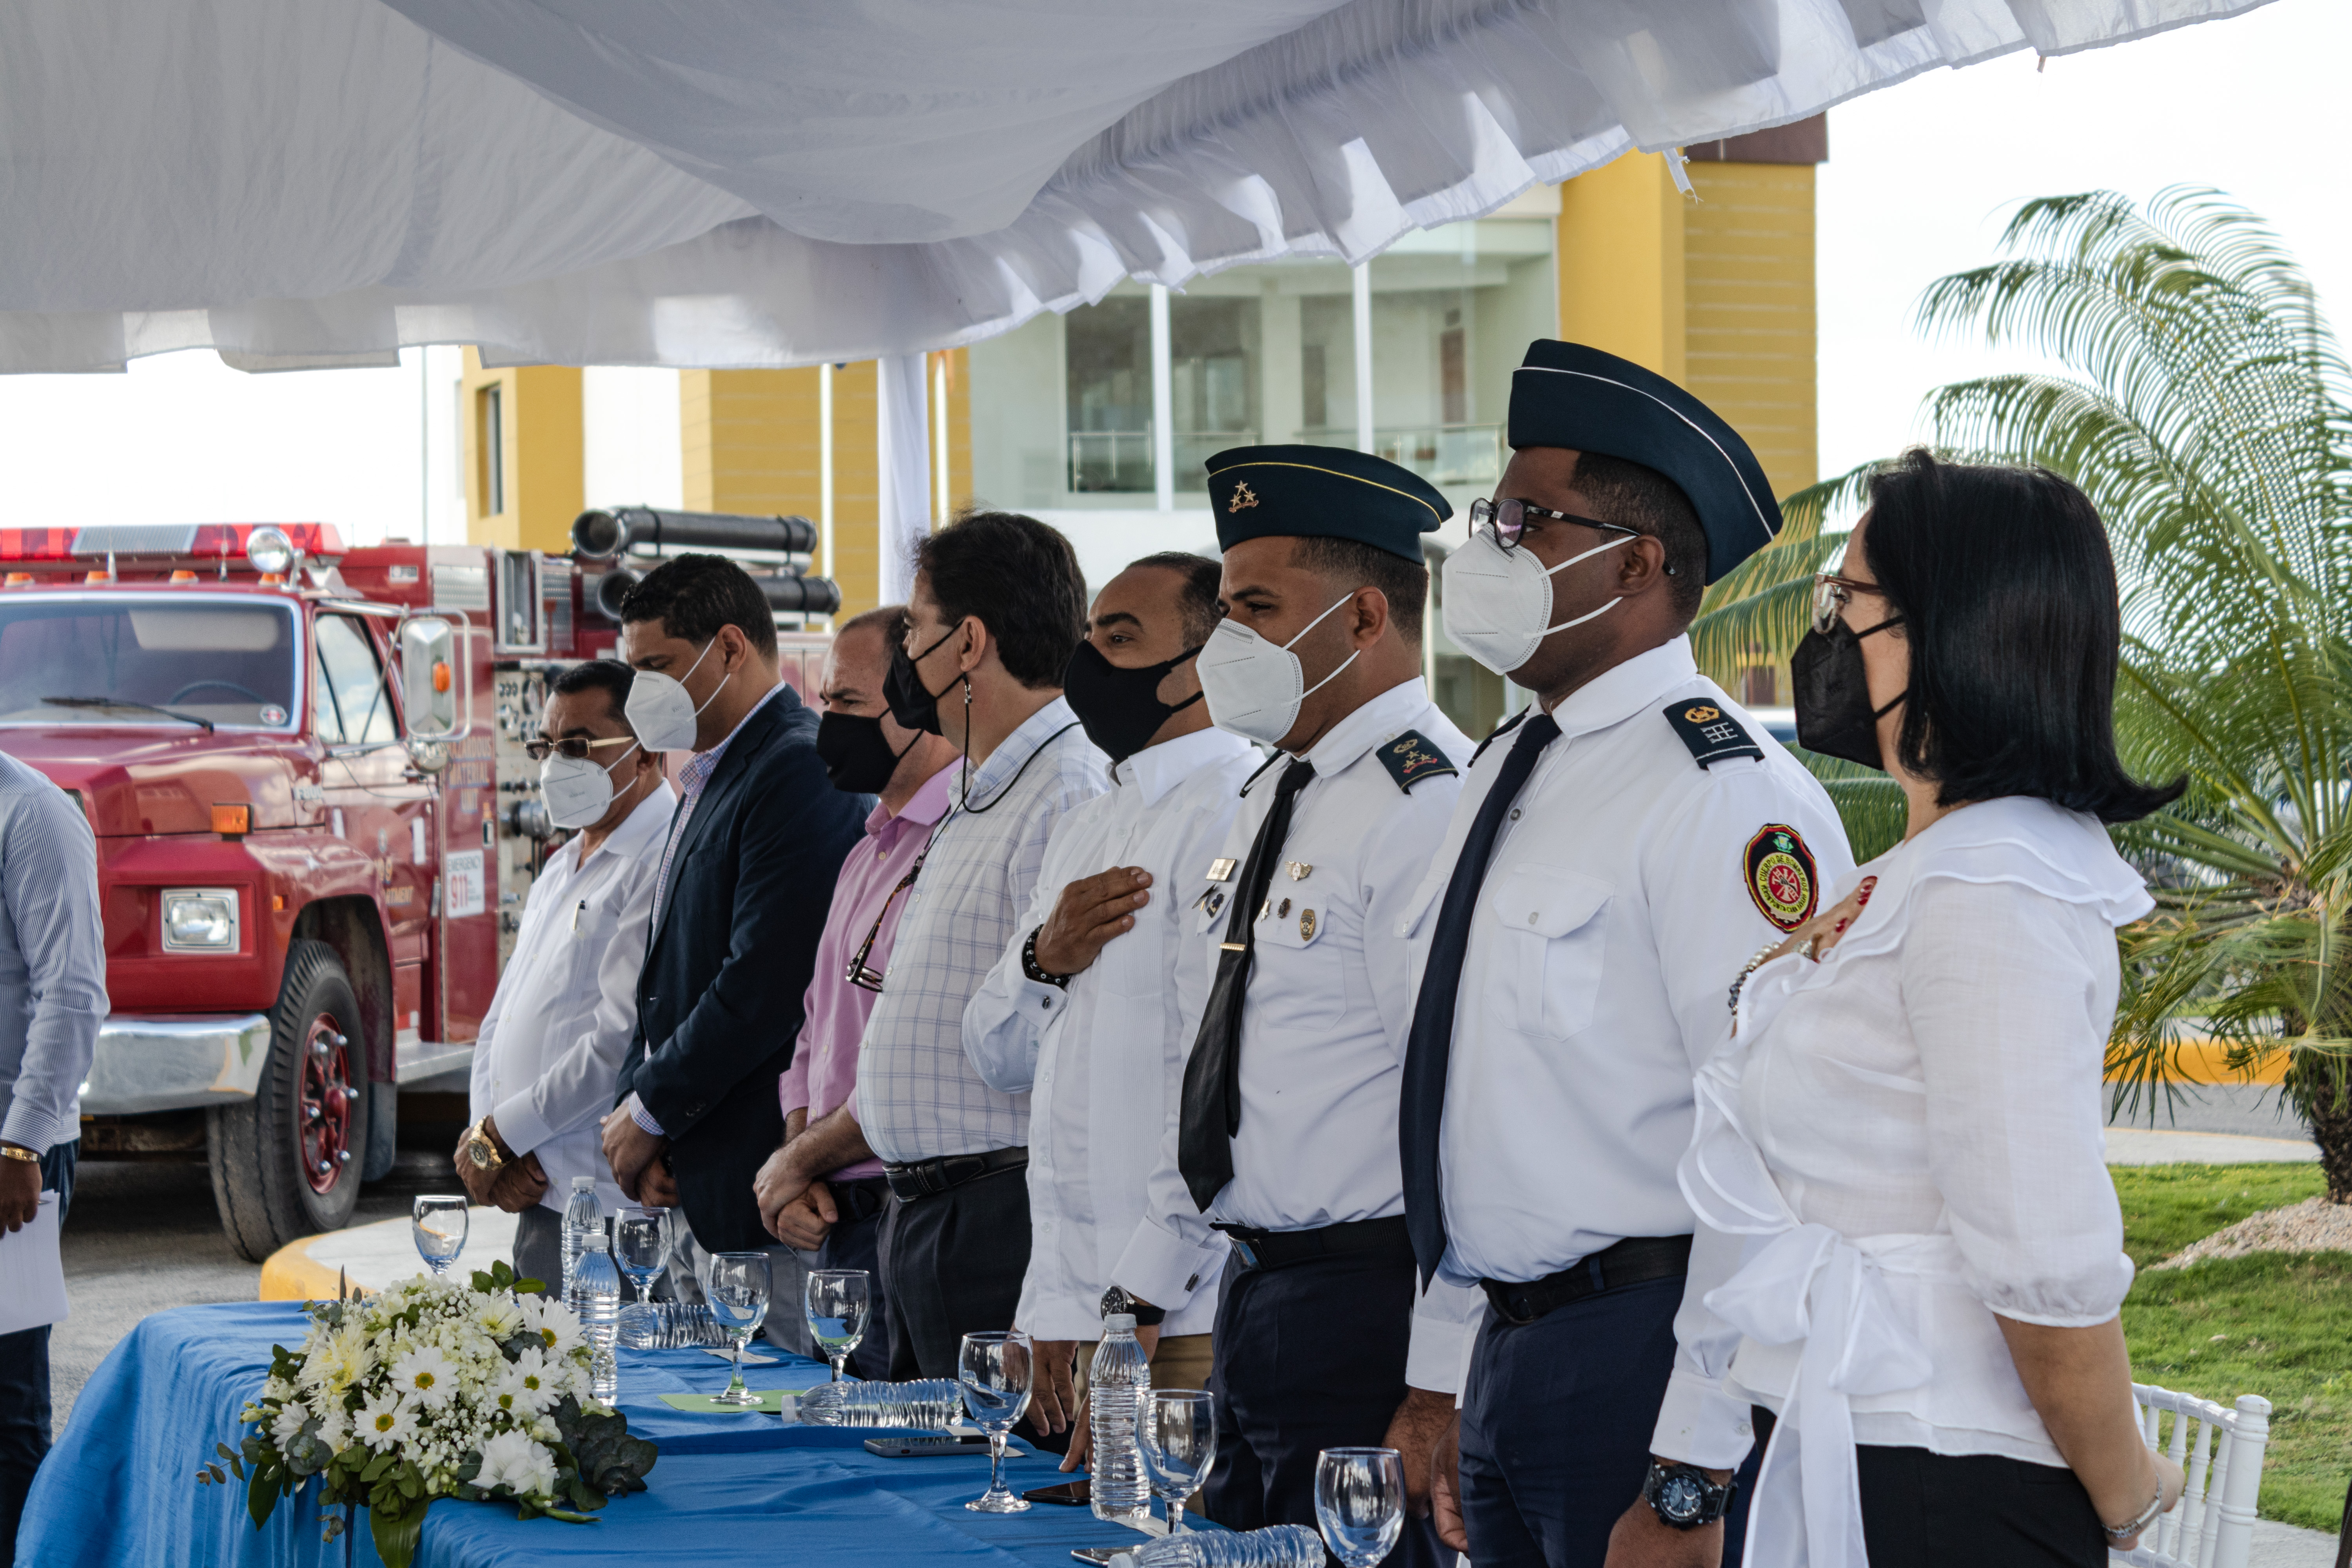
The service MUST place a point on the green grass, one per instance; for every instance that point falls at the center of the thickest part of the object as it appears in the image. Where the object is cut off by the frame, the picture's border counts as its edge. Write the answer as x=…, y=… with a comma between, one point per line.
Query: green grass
x=2277, y=1324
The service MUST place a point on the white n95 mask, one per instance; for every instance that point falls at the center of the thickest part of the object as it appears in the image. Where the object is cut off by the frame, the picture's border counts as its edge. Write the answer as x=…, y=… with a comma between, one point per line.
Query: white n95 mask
x=662, y=711
x=577, y=791
x=1252, y=686
x=1497, y=604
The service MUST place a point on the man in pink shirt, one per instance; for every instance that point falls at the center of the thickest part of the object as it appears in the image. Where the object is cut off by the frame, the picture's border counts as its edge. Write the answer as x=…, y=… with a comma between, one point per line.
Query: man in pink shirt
x=824, y=1189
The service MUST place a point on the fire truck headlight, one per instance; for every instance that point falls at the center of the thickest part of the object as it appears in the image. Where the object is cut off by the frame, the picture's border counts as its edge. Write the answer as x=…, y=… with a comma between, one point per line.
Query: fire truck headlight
x=200, y=920
x=268, y=550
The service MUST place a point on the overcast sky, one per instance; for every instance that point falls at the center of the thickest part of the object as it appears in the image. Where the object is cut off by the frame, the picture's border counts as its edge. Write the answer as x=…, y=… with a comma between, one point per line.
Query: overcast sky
x=1919, y=179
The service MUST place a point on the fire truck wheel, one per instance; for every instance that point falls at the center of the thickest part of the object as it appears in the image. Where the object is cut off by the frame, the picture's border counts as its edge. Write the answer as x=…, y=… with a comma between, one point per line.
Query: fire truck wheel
x=286, y=1164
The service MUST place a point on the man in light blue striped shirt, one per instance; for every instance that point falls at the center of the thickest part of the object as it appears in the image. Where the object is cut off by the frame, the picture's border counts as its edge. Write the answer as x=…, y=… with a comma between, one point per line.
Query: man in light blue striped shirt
x=52, y=1000
x=998, y=606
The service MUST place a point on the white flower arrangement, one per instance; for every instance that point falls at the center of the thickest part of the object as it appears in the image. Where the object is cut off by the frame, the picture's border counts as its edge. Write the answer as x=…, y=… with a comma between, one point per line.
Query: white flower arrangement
x=432, y=1389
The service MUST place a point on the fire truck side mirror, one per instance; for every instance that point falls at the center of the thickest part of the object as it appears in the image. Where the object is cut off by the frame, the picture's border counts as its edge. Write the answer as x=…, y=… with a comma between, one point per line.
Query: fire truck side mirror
x=428, y=653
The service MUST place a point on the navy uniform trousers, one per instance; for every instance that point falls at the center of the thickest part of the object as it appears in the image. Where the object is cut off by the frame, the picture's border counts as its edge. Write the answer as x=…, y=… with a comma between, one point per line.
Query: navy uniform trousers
x=1307, y=1358
x=1556, y=1426
x=24, y=1378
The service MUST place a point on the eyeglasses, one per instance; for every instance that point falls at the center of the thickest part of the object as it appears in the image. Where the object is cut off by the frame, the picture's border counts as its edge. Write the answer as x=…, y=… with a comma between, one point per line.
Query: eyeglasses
x=1832, y=593
x=1509, y=519
x=576, y=747
x=858, y=973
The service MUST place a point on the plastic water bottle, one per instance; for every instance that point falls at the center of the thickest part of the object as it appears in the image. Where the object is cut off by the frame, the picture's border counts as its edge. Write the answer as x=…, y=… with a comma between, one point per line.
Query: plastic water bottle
x=581, y=1216
x=927, y=1404
x=595, y=1300
x=1118, y=1386
x=1276, y=1546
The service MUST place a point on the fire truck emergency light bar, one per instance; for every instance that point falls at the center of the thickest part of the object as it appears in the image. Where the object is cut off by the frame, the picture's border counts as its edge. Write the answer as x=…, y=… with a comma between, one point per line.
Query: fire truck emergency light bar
x=316, y=540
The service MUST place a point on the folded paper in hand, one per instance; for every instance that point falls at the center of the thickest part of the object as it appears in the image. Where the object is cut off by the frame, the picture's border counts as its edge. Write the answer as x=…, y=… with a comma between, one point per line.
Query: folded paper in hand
x=32, y=1280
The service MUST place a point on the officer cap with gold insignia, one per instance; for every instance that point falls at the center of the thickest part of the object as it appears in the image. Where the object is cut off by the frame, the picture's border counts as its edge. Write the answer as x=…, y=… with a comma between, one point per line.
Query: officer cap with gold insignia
x=1565, y=395
x=1331, y=492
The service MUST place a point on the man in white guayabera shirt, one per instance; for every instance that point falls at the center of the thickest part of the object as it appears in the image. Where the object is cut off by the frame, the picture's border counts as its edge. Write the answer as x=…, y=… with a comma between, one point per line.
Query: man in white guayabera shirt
x=52, y=1000
x=551, y=1049
x=1092, y=1008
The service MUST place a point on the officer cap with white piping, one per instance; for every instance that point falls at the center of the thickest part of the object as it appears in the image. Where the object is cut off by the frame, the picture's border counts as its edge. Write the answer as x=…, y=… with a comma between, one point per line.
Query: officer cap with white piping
x=1565, y=395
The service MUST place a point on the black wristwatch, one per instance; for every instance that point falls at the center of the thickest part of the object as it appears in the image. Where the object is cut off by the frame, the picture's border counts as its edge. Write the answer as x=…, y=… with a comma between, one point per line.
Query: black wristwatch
x=1116, y=1299
x=1029, y=963
x=1683, y=1497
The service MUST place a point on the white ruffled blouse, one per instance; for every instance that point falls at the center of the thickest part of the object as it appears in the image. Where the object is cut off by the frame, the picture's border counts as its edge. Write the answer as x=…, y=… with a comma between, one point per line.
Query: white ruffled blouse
x=1909, y=1136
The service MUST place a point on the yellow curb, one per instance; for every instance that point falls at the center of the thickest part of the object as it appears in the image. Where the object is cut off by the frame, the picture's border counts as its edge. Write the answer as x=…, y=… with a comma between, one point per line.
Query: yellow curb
x=2203, y=1062
x=290, y=1275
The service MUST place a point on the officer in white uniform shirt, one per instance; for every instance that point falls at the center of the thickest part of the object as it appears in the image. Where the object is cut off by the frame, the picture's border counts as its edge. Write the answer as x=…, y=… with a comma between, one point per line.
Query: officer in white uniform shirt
x=1086, y=1012
x=550, y=1050
x=1619, y=852
x=1285, y=1147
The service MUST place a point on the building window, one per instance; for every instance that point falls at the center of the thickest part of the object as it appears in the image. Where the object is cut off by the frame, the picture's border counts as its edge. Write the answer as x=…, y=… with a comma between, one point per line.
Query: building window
x=490, y=445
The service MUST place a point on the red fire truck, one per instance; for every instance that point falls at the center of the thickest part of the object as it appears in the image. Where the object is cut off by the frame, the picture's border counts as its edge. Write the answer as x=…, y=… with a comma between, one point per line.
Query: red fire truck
x=316, y=822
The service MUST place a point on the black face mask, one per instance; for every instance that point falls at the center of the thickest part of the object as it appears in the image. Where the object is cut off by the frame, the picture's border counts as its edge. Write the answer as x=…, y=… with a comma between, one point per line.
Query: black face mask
x=857, y=759
x=911, y=703
x=1832, y=698
x=1121, y=708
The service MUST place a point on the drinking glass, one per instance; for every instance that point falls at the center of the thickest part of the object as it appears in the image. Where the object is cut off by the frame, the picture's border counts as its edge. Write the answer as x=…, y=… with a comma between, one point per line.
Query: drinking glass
x=640, y=1247
x=837, y=1303
x=1178, y=1435
x=438, y=1224
x=1360, y=1503
x=995, y=1370
x=737, y=1285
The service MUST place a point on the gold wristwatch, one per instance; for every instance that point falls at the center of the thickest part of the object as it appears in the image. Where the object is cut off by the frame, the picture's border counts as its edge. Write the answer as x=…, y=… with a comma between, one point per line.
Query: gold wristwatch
x=481, y=1150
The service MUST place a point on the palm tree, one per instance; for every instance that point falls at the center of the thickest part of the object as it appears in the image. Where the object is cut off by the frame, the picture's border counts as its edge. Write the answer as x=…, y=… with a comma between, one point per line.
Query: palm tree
x=2201, y=402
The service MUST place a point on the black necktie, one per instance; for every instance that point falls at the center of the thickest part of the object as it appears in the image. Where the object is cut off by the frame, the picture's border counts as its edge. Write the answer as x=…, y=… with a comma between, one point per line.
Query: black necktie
x=1424, y=1105
x=1212, y=1073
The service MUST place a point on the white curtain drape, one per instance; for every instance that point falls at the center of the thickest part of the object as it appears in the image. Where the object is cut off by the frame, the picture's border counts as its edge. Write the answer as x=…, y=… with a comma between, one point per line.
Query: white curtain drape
x=786, y=182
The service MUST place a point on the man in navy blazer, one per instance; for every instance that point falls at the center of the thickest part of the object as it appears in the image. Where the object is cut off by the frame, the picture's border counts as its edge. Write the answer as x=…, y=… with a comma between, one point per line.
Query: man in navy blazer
x=747, y=875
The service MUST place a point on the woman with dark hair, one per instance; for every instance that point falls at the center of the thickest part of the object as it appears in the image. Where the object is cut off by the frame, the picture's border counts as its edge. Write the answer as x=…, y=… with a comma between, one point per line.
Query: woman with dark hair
x=1907, y=1120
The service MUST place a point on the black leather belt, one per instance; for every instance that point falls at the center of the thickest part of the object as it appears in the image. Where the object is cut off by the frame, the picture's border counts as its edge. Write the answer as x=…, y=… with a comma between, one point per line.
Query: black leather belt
x=1636, y=1260
x=1282, y=1249
x=929, y=1178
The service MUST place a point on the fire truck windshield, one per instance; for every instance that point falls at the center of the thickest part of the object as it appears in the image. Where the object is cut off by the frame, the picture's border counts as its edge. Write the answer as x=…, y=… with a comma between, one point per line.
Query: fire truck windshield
x=135, y=660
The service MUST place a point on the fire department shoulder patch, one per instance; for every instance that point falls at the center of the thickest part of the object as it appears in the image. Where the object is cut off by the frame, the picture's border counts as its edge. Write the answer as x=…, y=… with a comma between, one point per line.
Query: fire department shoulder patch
x=1782, y=877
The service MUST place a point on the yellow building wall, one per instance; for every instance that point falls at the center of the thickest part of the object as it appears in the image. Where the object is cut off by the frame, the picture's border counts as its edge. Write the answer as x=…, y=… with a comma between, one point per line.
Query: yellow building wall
x=750, y=440
x=1620, y=247
x=1750, y=327
x=540, y=444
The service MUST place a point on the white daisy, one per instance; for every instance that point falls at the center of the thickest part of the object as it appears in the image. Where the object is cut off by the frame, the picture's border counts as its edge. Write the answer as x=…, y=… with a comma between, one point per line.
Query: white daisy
x=426, y=1375
x=387, y=1422
x=526, y=1388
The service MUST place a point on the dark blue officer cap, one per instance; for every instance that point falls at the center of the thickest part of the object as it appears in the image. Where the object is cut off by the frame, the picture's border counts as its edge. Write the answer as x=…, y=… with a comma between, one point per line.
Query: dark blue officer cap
x=1330, y=491
x=1565, y=395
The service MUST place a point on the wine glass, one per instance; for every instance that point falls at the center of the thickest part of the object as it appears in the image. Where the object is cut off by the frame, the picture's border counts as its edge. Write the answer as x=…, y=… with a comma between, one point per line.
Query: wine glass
x=1178, y=1435
x=438, y=1222
x=1360, y=1503
x=640, y=1247
x=737, y=1285
x=995, y=1370
x=837, y=1302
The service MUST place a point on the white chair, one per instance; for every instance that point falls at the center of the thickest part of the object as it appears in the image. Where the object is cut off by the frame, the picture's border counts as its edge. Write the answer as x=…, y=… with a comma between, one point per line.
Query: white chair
x=2214, y=1525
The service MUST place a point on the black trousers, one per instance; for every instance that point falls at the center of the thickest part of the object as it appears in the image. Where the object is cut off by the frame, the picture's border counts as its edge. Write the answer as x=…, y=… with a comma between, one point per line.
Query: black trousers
x=1307, y=1358
x=25, y=1379
x=1556, y=1426
x=539, y=1247
x=1921, y=1510
x=951, y=1266
x=856, y=1242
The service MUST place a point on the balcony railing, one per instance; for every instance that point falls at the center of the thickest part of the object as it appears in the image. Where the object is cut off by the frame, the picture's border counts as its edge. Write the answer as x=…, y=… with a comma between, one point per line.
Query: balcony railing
x=1442, y=454
x=1121, y=460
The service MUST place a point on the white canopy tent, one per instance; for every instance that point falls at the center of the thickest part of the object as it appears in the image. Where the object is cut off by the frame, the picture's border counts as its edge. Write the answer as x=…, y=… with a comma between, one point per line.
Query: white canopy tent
x=300, y=182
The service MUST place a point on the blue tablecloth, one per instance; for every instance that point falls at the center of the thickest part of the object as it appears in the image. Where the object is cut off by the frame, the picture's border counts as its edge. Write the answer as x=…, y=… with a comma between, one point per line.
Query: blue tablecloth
x=119, y=1488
